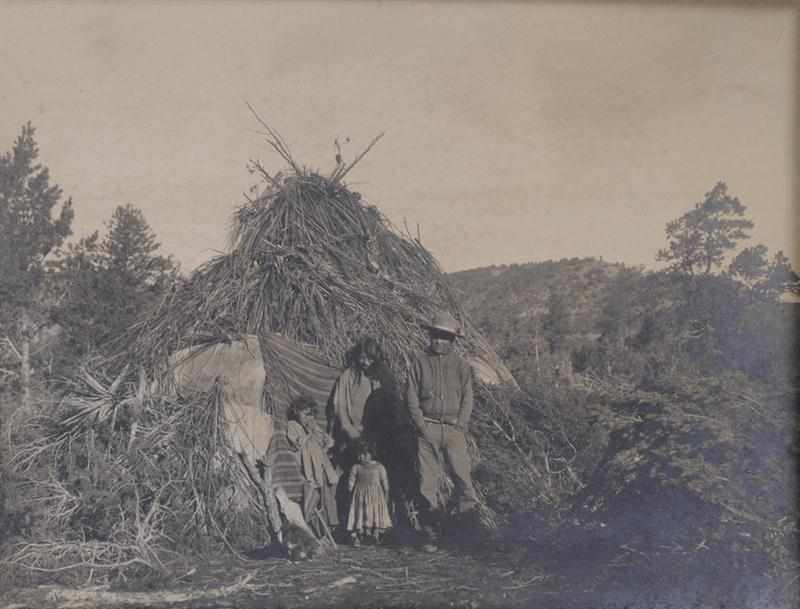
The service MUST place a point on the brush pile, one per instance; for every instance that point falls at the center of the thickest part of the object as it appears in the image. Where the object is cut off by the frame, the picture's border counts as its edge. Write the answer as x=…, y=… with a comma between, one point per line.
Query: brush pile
x=116, y=477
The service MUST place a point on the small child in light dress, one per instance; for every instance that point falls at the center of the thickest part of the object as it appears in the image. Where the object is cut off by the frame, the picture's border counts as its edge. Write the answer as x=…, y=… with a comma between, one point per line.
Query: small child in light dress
x=369, y=489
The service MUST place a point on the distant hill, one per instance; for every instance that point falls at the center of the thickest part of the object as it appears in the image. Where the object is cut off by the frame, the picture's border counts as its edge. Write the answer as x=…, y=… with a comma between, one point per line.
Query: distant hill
x=548, y=317
x=509, y=303
x=520, y=291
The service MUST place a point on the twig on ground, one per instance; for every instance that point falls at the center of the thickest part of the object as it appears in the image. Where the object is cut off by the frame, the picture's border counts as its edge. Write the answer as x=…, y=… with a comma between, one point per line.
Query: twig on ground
x=70, y=598
x=527, y=583
x=344, y=581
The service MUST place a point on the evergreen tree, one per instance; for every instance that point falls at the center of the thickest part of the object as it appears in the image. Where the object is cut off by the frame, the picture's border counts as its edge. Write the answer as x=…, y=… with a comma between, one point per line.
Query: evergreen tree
x=111, y=281
x=750, y=266
x=619, y=307
x=701, y=238
x=766, y=279
x=557, y=320
x=780, y=277
x=29, y=232
x=130, y=247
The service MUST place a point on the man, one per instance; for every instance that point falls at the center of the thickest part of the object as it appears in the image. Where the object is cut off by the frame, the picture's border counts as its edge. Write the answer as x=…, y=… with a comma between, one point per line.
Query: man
x=439, y=399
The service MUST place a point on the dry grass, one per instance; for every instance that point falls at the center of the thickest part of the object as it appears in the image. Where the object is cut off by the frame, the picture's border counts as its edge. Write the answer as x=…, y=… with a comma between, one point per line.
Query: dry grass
x=114, y=477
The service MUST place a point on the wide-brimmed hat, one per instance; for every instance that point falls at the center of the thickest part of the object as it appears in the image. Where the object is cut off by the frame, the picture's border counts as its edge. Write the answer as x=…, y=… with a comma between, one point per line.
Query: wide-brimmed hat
x=444, y=322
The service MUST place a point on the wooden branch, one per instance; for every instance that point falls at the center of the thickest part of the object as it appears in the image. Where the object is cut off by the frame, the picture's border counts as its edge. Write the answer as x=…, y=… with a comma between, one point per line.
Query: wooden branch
x=741, y=514
x=68, y=597
x=336, y=584
x=339, y=163
x=325, y=527
x=13, y=348
x=264, y=486
x=277, y=142
x=338, y=176
x=257, y=166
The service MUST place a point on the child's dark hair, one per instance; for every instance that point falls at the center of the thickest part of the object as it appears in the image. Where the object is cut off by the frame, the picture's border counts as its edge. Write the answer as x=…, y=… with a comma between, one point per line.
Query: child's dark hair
x=303, y=403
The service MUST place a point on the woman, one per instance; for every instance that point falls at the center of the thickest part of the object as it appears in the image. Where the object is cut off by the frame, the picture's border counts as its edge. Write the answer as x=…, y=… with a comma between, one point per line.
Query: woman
x=350, y=395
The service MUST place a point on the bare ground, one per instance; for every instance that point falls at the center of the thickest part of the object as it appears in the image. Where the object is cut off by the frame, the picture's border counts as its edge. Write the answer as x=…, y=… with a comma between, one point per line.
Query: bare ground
x=495, y=574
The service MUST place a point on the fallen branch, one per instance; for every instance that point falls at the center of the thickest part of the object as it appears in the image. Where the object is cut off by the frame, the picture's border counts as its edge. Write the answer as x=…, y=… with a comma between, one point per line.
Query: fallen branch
x=13, y=348
x=67, y=597
x=742, y=514
x=344, y=581
x=527, y=583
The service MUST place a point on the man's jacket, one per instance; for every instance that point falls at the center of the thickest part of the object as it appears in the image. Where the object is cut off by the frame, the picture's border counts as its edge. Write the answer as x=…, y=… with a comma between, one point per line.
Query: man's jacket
x=440, y=390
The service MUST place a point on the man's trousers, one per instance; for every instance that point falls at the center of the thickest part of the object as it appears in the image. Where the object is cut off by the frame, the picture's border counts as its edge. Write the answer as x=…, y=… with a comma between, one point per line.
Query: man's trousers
x=438, y=446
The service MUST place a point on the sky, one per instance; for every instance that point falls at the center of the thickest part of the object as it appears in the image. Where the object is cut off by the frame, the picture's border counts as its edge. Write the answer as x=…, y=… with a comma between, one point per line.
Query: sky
x=513, y=132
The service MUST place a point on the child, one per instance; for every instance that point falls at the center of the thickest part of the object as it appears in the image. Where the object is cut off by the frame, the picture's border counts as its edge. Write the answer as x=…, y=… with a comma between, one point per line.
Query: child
x=369, y=489
x=305, y=436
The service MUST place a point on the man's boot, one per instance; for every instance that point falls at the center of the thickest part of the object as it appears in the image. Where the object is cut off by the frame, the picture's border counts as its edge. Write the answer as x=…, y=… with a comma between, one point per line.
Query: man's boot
x=431, y=533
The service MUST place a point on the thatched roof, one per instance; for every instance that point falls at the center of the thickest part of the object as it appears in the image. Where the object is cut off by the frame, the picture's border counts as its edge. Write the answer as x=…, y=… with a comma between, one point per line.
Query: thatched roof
x=313, y=261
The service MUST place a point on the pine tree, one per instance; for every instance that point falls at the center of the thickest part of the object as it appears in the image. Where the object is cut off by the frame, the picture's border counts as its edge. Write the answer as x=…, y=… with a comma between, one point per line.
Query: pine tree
x=111, y=281
x=29, y=233
x=701, y=238
x=130, y=248
x=750, y=266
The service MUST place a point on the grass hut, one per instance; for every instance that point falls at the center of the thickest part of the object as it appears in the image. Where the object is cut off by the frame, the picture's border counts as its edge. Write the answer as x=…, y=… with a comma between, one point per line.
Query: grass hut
x=311, y=268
